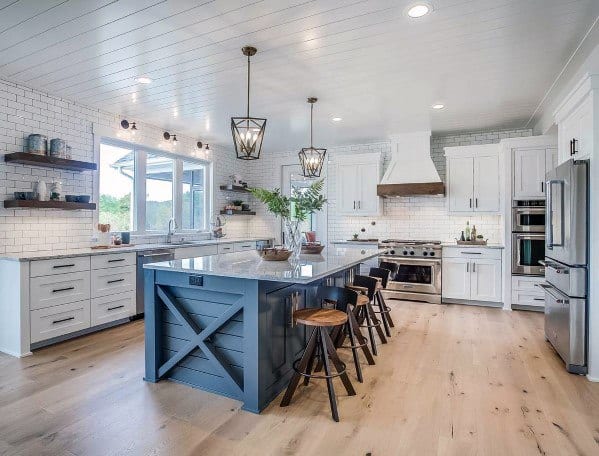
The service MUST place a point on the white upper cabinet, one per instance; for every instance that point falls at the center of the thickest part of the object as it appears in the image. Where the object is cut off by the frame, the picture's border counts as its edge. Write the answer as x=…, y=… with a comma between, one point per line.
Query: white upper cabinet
x=530, y=167
x=473, y=180
x=357, y=178
x=574, y=118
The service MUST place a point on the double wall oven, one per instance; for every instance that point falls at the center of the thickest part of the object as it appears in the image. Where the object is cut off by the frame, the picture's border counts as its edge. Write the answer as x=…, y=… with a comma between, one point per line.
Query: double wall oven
x=528, y=238
x=418, y=277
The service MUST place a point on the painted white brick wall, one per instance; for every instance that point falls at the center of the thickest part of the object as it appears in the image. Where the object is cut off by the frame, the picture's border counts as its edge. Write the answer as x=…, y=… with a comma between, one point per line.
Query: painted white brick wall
x=405, y=218
x=24, y=111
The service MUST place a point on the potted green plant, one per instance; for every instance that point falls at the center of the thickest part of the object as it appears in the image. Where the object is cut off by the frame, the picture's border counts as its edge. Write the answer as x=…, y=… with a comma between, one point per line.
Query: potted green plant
x=293, y=209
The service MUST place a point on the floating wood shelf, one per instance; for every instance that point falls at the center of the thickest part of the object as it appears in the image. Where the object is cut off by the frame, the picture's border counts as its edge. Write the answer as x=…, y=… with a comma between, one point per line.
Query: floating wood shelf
x=46, y=161
x=234, y=188
x=28, y=204
x=237, y=212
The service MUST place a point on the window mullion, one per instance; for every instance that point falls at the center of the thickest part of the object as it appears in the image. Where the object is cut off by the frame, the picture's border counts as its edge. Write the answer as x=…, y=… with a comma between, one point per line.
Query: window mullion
x=178, y=192
x=141, y=160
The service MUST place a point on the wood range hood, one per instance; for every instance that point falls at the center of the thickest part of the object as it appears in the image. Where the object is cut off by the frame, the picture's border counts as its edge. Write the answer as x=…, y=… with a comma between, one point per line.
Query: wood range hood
x=411, y=171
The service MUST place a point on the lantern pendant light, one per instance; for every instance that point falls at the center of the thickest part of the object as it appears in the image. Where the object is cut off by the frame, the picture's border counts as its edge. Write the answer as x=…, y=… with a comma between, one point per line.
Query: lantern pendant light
x=312, y=158
x=248, y=132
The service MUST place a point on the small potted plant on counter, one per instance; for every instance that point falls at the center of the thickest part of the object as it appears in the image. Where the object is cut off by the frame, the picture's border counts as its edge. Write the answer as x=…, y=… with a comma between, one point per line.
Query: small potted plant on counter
x=293, y=209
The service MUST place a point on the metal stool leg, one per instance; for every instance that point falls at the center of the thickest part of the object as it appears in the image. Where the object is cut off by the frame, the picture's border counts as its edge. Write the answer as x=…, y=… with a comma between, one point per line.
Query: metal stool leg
x=367, y=317
x=327, y=371
x=334, y=357
x=354, y=350
x=360, y=338
x=308, y=353
x=383, y=312
x=376, y=322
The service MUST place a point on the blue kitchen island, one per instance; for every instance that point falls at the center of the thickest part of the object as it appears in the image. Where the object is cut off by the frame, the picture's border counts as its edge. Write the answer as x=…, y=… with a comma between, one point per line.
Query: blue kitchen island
x=223, y=323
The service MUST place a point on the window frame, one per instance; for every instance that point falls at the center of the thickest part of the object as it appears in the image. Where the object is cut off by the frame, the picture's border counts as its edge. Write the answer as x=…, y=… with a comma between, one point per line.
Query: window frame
x=140, y=154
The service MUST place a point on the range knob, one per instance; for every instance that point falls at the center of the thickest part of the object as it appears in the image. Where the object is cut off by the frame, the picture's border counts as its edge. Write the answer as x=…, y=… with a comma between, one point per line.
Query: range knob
x=411, y=252
x=425, y=253
x=405, y=252
x=432, y=253
x=392, y=252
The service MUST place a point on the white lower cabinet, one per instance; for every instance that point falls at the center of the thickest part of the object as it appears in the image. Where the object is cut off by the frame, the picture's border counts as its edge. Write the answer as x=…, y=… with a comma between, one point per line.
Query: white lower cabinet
x=112, y=281
x=471, y=274
x=244, y=246
x=59, y=320
x=526, y=291
x=111, y=308
x=226, y=248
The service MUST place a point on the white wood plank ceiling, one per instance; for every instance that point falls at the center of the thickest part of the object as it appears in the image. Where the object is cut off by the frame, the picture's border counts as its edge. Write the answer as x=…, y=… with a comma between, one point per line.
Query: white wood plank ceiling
x=489, y=61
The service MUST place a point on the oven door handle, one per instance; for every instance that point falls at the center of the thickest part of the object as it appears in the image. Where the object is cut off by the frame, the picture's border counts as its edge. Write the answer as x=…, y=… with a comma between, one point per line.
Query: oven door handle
x=412, y=261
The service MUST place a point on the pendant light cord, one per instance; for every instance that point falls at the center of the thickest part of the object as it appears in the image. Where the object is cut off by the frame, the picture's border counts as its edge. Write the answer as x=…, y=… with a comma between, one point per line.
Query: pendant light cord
x=311, y=115
x=248, y=105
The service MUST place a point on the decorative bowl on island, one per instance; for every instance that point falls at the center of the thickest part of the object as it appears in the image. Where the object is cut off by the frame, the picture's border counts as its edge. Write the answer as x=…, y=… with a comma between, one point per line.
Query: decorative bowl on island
x=275, y=254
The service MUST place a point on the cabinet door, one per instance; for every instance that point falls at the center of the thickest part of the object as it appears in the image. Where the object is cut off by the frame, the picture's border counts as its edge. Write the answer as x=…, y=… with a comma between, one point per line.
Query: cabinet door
x=461, y=184
x=485, y=283
x=486, y=184
x=550, y=161
x=368, y=200
x=584, y=140
x=529, y=173
x=347, y=188
x=456, y=278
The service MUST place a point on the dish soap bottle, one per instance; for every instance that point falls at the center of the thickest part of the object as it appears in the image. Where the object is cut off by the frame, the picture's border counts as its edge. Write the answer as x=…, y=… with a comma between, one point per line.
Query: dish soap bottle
x=467, y=231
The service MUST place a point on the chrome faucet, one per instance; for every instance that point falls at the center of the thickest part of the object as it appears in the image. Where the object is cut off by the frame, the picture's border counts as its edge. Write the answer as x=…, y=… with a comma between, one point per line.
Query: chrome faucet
x=172, y=226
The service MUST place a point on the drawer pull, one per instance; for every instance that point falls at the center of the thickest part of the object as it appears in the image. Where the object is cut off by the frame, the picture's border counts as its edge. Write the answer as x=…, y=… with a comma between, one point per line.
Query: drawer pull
x=471, y=253
x=58, y=266
x=116, y=261
x=539, y=299
x=58, y=290
x=63, y=320
x=116, y=307
x=116, y=280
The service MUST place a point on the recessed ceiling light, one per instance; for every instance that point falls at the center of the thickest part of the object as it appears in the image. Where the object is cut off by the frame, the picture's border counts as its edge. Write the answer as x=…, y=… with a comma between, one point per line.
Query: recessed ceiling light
x=336, y=119
x=143, y=80
x=419, y=10
x=438, y=106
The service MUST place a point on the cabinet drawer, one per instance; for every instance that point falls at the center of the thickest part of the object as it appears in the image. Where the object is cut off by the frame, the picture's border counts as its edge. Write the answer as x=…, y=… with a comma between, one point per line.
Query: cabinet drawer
x=111, y=308
x=112, y=260
x=528, y=284
x=528, y=298
x=111, y=281
x=226, y=248
x=241, y=246
x=59, y=320
x=471, y=252
x=58, y=289
x=59, y=266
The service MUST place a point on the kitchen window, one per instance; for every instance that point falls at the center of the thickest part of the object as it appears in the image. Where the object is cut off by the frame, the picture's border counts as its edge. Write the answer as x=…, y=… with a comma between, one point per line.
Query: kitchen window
x=141, y=189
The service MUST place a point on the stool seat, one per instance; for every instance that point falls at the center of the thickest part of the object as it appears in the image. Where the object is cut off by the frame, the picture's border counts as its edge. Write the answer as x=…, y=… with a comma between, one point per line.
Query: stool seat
x=320, y=317
x=362, y=300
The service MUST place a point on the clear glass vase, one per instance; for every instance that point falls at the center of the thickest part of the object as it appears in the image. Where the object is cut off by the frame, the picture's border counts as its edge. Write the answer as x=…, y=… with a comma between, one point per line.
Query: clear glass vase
x=293, y=236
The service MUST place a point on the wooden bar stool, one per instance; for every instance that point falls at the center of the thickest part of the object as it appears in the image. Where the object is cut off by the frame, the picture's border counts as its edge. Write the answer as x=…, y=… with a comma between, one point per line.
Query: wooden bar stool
x=366, y=316
x=383, y=310
x=393, y=269
x=347, y=300
x=322, y=347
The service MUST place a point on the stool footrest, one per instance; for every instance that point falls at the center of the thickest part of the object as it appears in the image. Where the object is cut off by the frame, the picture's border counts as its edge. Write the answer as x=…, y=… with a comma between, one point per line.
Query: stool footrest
x=323, y=377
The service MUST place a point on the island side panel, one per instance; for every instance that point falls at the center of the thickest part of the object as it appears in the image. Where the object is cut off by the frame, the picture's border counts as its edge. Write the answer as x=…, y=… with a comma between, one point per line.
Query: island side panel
x=200, y=336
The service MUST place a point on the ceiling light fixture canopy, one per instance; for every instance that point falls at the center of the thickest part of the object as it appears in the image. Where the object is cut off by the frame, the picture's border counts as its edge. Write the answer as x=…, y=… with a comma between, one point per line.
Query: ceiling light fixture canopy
x=438, y=106
x=248, y=132
x=312, y=158
x=143, y=80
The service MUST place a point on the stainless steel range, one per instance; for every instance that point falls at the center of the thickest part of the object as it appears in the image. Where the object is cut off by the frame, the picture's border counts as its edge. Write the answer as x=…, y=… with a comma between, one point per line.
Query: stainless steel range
x=419, y=274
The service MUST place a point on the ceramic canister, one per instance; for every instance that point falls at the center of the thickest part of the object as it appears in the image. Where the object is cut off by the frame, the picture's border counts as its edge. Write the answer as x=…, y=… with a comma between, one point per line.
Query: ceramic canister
x=58, y=147
x=37, y=144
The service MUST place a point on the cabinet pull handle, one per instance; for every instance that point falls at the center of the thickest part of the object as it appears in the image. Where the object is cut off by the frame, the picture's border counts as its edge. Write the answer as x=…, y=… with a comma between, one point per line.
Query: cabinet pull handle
x=354, y=205
x=63, y=320
x=471, y=253
x=538, y=299
x=63, y=289
x=574, y=141
x=468, y=266
x=116, y=307
x=476, y=202
x=471, y=202
x=116, y=280
x=58, y=266
x=116, y=261
x=473, y=267
x=542, y=187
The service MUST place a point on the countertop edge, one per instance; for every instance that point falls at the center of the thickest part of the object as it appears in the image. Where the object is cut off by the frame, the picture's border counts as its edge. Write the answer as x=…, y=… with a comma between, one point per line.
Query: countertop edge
x=457, y=246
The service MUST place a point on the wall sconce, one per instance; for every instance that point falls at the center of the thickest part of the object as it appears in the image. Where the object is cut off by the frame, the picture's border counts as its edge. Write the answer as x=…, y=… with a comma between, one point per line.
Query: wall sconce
x=207, y=147
x=132, y=127
x=166, y=135
x=199, y=144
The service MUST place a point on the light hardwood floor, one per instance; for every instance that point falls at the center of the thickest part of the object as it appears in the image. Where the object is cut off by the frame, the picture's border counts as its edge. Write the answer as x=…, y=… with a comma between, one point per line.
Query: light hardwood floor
x=454, y=380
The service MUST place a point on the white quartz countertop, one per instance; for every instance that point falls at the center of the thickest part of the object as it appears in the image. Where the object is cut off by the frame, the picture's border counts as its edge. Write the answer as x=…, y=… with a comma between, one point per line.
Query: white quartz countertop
x=249, y=265
x=468, y=246
x=358, y=242
x=56, y=254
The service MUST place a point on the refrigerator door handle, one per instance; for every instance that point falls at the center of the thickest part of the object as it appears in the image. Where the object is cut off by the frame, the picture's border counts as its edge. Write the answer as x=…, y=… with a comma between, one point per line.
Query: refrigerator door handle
x=549, y=239
x=557, y=298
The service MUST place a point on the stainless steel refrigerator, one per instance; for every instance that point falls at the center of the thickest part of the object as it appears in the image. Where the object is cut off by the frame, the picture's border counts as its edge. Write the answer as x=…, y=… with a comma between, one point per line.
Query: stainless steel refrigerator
x=566, y=263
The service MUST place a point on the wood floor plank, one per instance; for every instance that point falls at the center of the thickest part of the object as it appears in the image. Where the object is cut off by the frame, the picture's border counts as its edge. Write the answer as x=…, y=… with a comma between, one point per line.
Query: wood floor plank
x=453, y=380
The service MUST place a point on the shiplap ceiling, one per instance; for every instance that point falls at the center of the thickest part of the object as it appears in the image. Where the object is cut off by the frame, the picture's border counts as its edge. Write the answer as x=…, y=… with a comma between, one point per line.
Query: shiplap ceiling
x=489, y=61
